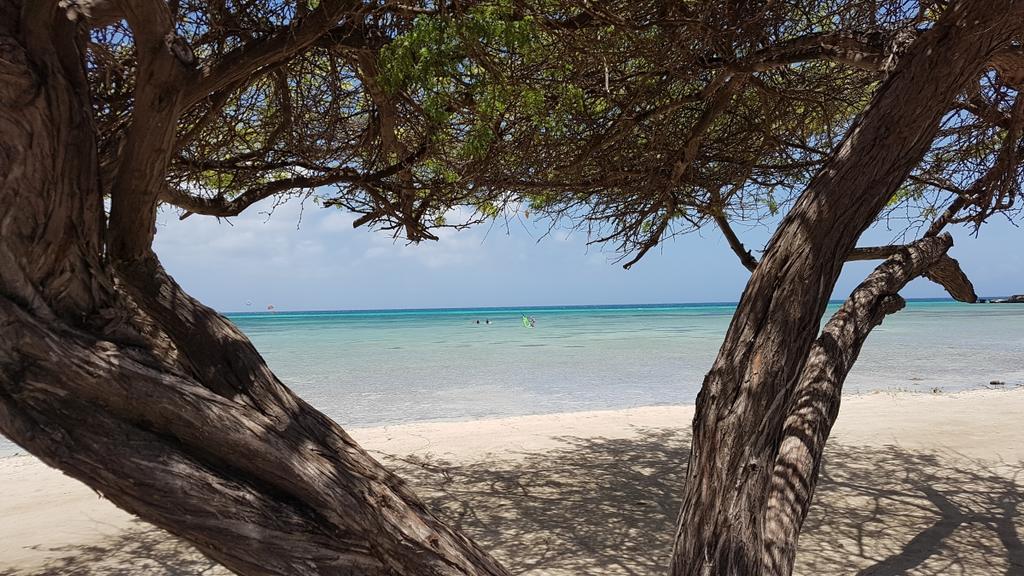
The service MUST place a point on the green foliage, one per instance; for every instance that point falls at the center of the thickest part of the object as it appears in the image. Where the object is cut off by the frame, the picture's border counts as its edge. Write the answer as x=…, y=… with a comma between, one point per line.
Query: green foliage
x=629, y=119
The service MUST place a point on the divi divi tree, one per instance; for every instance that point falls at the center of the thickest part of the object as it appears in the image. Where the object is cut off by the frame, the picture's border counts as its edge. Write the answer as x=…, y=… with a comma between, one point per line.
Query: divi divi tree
x=634, y=120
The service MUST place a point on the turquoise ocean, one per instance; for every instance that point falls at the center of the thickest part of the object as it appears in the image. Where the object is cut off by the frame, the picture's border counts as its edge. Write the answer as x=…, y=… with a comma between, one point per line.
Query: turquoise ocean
x=384, y=367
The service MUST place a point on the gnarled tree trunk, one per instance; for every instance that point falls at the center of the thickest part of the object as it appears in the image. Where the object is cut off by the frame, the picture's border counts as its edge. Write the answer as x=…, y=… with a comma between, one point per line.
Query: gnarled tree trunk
x=814, y=404
x=735, y=519
x=111, y=373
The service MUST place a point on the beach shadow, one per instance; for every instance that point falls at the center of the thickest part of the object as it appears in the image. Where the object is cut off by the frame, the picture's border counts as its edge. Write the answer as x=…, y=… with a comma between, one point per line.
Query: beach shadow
x=889, y=511
x=592, y=506
x=140, y=549
x=602, y=506
x=607, y=506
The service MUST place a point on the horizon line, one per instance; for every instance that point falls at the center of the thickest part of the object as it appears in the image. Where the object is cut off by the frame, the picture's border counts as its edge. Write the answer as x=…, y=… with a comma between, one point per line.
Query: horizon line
x=535, y=307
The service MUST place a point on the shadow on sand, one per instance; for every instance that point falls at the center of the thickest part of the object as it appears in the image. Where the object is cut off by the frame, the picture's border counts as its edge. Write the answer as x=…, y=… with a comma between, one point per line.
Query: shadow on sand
x=141, y=549
x=599, y=506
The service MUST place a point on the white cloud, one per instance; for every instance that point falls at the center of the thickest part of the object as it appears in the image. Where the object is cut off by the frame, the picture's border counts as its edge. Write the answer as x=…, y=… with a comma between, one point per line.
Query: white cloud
x=336, y=221
x=325, y=263
x=452, y=248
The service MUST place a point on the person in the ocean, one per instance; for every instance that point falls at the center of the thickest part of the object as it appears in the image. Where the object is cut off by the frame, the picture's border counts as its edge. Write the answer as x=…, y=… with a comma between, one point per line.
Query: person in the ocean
x=487, y=321
x=533, y=322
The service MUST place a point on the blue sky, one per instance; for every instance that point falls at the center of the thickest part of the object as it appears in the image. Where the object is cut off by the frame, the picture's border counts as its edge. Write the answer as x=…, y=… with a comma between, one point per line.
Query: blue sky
x=322, y=263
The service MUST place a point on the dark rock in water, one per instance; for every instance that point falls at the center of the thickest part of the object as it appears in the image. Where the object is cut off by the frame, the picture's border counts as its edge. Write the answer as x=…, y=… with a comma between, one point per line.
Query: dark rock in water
x=1016, y=299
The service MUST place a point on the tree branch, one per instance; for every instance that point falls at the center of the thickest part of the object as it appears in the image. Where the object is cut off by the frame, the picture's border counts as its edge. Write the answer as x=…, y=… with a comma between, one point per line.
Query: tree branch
x=718, y=100
x=1009, y=63
x=746, y=258
x=872, y=51
x=873, y=253
x=223, y=208
x=164, y=65
x=860, y=49
x=816, y=397
x=868, y=50
x=999, y=182
x=251, y=57
x=945, y=271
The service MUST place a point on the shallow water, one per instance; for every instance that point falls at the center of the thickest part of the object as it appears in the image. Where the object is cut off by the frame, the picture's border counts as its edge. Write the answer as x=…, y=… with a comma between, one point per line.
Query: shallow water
x=385, y=367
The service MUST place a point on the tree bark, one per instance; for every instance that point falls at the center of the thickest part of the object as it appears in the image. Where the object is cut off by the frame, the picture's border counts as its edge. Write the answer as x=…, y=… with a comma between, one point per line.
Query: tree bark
x=743, y=405
x=815, y=402
x=111, y=373
x=47, y=149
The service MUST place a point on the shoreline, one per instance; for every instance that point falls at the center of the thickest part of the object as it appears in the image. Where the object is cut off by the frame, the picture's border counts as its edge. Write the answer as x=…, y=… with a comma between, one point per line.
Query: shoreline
x=542, y=482
x=441, y=422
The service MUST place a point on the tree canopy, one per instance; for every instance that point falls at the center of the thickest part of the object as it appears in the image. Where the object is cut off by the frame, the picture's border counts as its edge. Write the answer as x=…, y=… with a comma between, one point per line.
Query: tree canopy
x=634, y=120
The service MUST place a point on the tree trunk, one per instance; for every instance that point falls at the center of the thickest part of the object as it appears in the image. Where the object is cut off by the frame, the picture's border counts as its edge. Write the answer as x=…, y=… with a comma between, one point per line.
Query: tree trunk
x=740, y=424
x=111, y=373
x=814, y=405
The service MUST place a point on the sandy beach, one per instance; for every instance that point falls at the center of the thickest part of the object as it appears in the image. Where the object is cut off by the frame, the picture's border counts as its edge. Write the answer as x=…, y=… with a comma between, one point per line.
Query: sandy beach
x=913, y=484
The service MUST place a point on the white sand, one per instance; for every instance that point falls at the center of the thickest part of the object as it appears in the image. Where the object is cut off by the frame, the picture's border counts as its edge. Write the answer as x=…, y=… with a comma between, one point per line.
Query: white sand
x=913, y=484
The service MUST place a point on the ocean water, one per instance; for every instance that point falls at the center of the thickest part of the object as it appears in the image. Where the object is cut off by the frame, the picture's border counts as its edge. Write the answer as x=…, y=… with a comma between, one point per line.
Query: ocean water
x=370, y=368
x=386, y=367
